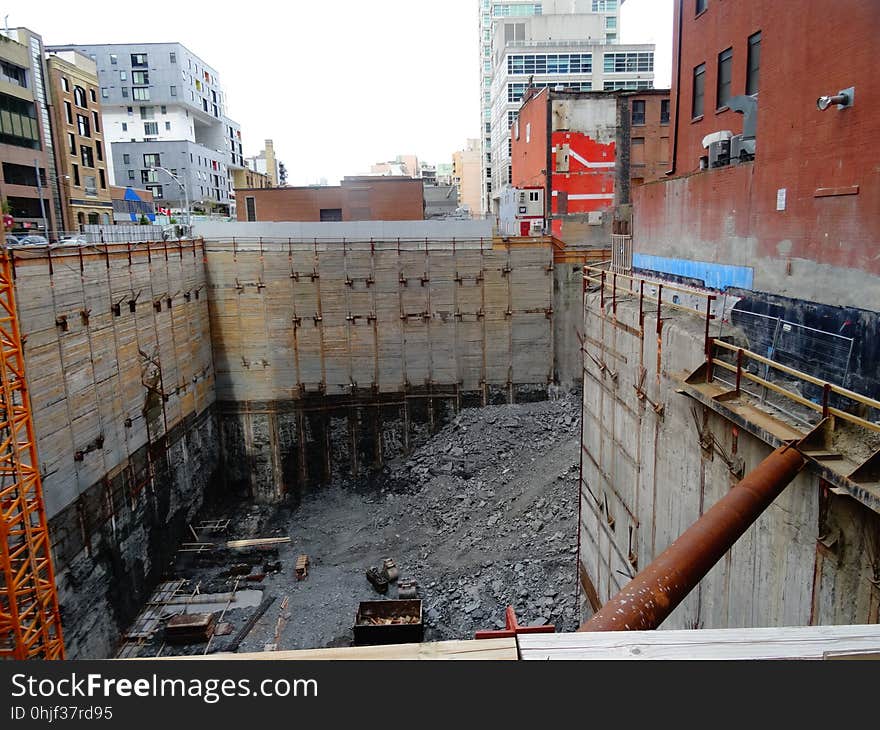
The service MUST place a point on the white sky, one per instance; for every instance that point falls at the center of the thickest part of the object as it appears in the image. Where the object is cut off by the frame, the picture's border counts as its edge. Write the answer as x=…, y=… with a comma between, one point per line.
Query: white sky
x=337, y=85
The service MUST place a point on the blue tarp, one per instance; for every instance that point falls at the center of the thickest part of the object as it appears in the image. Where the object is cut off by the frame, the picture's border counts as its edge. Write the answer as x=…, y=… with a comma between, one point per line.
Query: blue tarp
x=714, y=276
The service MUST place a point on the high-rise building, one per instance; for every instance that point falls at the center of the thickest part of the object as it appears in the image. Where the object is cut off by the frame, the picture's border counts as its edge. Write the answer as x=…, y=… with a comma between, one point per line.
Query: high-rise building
x=80, y=148
x=28, y=182
x=568, y=43
x=164, y=107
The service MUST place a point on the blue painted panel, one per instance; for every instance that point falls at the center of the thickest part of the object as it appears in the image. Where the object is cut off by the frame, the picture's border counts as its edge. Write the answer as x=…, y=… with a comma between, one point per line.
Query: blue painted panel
x=714, y=276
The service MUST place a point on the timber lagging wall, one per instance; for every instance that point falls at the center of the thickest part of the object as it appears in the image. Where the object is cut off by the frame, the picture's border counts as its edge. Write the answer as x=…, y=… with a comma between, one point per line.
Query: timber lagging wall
x=117, y=350
x=326, y=348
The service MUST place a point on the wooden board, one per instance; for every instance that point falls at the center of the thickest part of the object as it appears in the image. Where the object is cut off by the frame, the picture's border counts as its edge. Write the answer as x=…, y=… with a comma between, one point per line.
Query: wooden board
x=802, y=642
x=496, y=649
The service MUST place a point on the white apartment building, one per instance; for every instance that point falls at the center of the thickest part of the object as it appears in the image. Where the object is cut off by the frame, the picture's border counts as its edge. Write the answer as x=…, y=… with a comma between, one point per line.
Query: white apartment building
x=573, y=43
x=162, y=106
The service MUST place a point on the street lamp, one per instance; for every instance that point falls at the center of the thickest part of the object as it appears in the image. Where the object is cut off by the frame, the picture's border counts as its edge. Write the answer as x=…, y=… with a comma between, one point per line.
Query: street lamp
x=182, y=187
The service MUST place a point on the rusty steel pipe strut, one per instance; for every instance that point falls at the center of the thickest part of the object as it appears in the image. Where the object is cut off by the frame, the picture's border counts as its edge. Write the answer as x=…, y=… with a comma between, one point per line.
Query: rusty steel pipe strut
x=646, y=601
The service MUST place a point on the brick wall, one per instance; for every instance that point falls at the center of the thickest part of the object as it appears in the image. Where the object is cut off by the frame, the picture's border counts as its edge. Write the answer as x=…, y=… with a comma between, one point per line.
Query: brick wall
x=358, y=198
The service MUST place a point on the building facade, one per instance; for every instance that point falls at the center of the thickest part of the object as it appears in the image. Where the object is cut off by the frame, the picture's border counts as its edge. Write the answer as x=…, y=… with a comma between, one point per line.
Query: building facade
x=164, y=107
x=80, y=148
x=527, y=28
x=28, y=180
x=800, y=219
x=596, y=145
x=266, y=164
x=244, y=177
x=364, y=198
x=466, y=174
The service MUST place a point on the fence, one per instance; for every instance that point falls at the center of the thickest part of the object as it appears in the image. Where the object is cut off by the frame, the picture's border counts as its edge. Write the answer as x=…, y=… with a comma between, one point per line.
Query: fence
x=826, y=355
x=121, y=233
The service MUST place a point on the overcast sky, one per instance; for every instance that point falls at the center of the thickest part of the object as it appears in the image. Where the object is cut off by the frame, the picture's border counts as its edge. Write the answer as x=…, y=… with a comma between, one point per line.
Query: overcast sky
x=337, y=85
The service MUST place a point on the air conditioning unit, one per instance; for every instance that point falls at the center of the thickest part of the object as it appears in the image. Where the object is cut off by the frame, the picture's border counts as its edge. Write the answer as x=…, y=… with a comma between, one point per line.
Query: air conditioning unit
x=742, y=149
x=719, y=153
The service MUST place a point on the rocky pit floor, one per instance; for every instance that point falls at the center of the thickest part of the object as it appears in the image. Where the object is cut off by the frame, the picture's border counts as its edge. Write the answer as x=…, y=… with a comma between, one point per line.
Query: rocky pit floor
x=482, y=515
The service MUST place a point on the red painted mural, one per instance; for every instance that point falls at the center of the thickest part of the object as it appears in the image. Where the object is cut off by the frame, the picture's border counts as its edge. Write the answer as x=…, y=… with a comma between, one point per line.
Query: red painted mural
x=583, y=177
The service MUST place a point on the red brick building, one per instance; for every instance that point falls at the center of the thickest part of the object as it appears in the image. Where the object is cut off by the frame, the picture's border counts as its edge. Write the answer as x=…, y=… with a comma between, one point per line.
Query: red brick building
x=356, y=199
x=596, y=146
x=801, y=219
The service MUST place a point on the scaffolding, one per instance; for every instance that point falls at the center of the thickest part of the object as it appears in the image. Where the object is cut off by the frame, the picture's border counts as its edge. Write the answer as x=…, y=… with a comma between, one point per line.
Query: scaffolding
x=30, y=624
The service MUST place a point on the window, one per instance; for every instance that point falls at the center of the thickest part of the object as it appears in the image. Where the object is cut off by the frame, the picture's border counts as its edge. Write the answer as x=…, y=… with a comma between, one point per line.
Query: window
x=664, y=111
x=700, y=6
x=131, y=174
x=65, y=84
x=125, y=126
x=149, y=176
x=122, y=75
x=167, y=126
x=156, y=190
x=637, y=156
x=99, y=150
x=147, y=112
x=699, y=90
x=92, y=95
x=514, y=32
x=126, y=159
x=638, y=112
x=172, y=57
x=141, y=78
x=152, y=160
x=71, y=143
x=96, y=123
x=104, y=93
x=510, y=10
x=125, y=91
x=151, y=129
x=102, y=179
x=326, y=214
x=140, y=93
x=90, y=185
x=113, y=59
x=75, y=175
x=611, y=38
x=87, y=156
x=754, y=63
x=79, y=96
x=610, y=22
x=631, y=85
x=604, y=6
x=549, y=63
x=628, y=62
x=725, y=68
x=16, y=74
x=68, y=113
x=82, y=124
x=164, y=109
x=138, y=60
x=173, y=91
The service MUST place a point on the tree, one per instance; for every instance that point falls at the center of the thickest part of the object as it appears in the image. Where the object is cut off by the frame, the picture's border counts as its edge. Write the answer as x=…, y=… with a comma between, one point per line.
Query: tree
x=143, y=221
x=282, y=174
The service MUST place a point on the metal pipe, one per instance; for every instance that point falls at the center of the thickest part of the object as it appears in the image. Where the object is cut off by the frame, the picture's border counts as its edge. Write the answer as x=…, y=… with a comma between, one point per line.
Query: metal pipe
x=646, y=601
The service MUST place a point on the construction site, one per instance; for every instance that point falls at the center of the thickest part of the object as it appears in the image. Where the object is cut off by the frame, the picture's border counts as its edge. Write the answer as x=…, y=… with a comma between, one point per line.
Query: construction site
x=658, y=408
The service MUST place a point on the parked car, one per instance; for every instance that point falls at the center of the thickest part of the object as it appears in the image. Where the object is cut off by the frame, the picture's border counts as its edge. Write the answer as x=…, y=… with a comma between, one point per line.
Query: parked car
x=72, y=241
x=11, y=240
x=33, y=240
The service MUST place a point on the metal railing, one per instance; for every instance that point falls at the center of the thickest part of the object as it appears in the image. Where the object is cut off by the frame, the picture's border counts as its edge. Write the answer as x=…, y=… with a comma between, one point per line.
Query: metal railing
x=831, y=399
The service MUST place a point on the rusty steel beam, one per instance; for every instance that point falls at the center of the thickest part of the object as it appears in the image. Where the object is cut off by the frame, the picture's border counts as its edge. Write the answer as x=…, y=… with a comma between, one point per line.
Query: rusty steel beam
x=646, y=601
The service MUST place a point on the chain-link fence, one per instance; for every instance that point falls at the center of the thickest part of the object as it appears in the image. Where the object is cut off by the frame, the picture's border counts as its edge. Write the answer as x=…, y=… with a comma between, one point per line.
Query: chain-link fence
x=824, y=355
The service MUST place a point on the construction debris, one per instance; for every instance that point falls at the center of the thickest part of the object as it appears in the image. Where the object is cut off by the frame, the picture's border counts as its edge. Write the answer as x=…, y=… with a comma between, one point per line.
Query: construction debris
x=377, y=580
x=302, y=567
x=390, y=570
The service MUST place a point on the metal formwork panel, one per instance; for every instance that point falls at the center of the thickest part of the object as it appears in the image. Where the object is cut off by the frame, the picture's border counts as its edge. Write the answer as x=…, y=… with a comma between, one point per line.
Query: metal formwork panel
x=278, y=301
x=497, y=317
x=441, y=305
x=362, y=325
x=307, y=323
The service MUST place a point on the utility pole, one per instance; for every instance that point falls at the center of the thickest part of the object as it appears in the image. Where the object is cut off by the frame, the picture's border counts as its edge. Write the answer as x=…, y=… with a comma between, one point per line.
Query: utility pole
x=182, y=188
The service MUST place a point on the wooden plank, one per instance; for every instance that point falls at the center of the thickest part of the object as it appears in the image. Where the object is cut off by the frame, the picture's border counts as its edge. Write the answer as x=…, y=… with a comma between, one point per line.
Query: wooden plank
x=485, y=649
x=802, y=642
